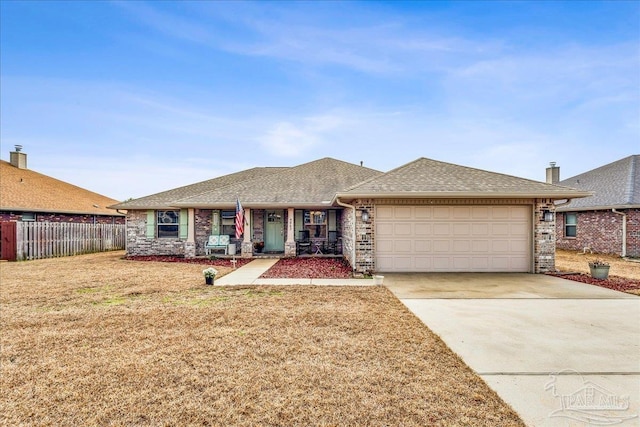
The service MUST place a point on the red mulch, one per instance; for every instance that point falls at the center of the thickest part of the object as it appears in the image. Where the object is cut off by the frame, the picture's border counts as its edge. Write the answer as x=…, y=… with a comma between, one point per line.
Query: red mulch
x=309, y=268
x=613, y=282
x=220, y=262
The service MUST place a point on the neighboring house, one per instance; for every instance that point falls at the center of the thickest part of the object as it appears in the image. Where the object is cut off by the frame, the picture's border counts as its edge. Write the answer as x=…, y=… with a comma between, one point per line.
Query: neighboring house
x=42, y=217
x=609, y=220
x=424, y=216
x=26, y=195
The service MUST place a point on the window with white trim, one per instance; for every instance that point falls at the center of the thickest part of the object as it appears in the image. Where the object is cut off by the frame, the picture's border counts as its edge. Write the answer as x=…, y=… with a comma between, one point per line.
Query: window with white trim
x=570, y=224
x=28, y=216
x=168, y=223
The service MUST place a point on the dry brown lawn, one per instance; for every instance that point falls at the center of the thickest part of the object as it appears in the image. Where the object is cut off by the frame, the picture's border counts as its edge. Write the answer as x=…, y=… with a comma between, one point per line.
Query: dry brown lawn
x=573, y=261
x=98, y=340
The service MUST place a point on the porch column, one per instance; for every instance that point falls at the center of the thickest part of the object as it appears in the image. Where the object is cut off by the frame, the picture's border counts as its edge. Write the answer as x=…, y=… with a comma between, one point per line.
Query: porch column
x=290, y=244
x=190, y=244
x=191, y=226
x=247, y=246
x=290, y=226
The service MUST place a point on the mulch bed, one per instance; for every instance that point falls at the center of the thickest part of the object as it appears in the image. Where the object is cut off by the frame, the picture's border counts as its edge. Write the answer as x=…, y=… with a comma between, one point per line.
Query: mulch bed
x=309, y=268
x=220, y=262
x=613, y=282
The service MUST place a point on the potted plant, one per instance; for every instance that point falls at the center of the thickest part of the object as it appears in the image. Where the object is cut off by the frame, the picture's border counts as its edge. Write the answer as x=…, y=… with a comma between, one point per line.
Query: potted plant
x=209, y=275
x=599, y=269
x=258, y=246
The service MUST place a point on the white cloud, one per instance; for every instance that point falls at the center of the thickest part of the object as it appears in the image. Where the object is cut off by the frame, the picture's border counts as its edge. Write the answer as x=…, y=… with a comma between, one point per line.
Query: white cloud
x=287, y=139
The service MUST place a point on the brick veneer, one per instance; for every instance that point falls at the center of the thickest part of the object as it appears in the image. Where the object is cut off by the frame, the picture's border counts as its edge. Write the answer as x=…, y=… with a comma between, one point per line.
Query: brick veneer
x=62, y=217
x=601, y=232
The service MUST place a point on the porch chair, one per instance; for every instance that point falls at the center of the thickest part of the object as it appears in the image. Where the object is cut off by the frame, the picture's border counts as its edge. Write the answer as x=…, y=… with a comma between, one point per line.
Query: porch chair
x=332, y=242
x=217, y=242
x=303, y=243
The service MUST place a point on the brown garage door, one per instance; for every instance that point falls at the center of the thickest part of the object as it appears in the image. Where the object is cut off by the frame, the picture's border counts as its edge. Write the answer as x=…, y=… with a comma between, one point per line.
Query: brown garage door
x=453, y=238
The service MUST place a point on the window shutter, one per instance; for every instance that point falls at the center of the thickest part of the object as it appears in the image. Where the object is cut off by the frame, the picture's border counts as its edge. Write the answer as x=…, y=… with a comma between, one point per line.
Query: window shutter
x=297, y=224
x=215, y=223
x=332, y=221
x=184, y=223
x=151, y=224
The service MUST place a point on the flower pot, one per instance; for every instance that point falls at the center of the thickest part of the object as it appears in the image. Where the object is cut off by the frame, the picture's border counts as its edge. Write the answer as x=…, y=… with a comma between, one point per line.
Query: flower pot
x=208, y=280
x=377, y=280
x=599, y=272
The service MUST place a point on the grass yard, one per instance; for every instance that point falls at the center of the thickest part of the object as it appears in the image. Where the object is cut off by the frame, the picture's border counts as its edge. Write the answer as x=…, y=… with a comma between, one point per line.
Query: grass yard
x=99, y=340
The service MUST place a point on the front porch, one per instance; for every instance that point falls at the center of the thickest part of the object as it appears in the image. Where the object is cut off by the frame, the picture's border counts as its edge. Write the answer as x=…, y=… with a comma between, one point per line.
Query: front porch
x=281, y=233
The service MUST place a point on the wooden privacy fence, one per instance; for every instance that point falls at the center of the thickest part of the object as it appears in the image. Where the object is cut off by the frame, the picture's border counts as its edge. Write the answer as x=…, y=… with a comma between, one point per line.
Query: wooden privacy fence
x=36, y=240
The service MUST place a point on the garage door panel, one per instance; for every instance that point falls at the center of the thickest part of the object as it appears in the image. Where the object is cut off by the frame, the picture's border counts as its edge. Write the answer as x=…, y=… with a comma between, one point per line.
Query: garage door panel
x=441, y=246
x=384, y=246
x=462, y=212
x=422, y=263
x=442, y=212
x=384, y=212
x=461, y=246
x=422, y=246
x=403, y=229
x=453, y=238
x=402, y=263
x=403, y=246
x=441, y=229
x=461, y=229
x=422, y=229
x=402, y=213
x=423, y=212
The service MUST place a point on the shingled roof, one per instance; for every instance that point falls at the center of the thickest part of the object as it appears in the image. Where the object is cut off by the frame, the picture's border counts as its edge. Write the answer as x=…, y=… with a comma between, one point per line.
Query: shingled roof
x=24, y=190
x=312, y=184
x=615, y=185
x=167, y=199
x=426, y=178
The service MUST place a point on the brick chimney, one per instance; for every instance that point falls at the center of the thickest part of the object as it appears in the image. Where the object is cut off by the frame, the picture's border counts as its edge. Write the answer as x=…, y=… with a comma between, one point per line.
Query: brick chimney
x=553, y=173
x=18, y=158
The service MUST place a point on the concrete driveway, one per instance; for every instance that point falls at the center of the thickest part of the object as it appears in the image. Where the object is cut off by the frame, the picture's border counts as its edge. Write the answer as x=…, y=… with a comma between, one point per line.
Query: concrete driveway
x=561, y=353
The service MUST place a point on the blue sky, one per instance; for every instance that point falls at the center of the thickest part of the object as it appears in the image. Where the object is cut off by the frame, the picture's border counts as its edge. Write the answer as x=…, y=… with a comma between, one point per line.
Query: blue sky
x=131, y=98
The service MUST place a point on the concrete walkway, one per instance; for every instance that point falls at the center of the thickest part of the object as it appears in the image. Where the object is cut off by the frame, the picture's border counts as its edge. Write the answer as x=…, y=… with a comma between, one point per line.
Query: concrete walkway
x=249, y=274
x=546, y=345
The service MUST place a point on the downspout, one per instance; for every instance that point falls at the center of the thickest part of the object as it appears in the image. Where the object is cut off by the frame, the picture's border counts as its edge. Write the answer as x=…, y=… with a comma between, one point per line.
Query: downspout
x=353, y=234
x=624, y=231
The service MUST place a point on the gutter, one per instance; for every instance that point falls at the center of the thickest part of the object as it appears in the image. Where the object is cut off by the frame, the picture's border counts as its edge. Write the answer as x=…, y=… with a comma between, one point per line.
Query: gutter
x=466, y=194
x=353, y=234
x=562, y=203
x=624, y=231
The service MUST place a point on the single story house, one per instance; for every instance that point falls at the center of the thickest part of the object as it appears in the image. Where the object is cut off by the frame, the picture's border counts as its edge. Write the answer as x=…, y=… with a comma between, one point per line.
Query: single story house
x=609, y=220
x=424, y=216
x=26, y=195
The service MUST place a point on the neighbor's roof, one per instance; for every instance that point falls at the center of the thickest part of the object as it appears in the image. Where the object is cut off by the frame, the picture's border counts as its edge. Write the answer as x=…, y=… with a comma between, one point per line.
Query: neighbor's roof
x=426, y=178
x=167, y=199
x=25, y=190
x=615, y=185
x=312, y=184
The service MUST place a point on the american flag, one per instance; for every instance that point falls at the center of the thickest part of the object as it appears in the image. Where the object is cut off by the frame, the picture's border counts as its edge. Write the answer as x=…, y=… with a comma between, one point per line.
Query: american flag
x=239, y=219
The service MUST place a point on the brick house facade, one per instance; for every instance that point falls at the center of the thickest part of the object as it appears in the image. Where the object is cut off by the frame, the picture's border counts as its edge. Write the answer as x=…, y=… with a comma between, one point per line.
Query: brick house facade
x=601, y=231
x=494, y=222
x=608, y=221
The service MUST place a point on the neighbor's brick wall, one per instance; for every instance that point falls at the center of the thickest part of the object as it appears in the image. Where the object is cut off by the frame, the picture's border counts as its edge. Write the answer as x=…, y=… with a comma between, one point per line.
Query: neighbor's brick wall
x=6, y=216
x=601, y=232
